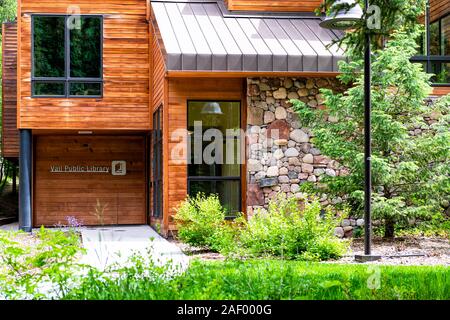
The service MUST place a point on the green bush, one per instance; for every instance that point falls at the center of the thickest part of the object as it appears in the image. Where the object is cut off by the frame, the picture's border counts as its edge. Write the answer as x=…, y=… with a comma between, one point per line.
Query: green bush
x=198, y=219
x=291, y=230
x=27, y=264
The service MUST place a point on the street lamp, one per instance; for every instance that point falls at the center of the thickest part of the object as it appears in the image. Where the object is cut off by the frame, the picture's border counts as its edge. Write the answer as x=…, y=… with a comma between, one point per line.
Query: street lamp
x=343, y=19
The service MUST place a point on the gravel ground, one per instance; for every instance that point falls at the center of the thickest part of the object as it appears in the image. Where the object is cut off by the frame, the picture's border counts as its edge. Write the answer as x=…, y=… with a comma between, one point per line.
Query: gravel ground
x=418, y=251
x=404, y=251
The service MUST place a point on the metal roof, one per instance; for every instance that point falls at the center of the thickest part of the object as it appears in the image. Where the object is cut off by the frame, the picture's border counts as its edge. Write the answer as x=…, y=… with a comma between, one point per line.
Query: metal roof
x=201, y=35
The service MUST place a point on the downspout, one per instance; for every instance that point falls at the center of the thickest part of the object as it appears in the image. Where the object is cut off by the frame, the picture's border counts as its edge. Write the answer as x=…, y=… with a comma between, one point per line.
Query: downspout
x=25, y=173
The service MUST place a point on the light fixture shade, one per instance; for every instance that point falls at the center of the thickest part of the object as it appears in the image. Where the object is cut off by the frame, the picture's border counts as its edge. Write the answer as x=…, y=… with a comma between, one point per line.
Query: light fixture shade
x=344, y=18
x=212, y=108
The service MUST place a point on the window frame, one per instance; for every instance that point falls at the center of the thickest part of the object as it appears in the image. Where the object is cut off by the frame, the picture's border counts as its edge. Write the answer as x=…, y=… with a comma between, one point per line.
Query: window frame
x=157, y=163
x=67, y=79
x=428, y=59
x=239, y=178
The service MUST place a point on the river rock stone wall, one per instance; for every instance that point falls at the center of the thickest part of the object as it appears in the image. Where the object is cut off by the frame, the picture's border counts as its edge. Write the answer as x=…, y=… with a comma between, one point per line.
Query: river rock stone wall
x=280, y=155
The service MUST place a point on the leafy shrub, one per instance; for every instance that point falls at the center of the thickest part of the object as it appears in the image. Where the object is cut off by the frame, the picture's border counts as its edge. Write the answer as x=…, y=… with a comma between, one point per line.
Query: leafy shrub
x=34, y=268
x=199, y=218
x=287, y=230
x=293, y=231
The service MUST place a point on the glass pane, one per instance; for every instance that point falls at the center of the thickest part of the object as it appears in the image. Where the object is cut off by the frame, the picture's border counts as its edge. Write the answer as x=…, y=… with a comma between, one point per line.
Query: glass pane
x=421, y=41
x=85, y=50
x=228, y=192
x=434, y=39
x=49, y=37
x=219, y=154
x=85, y=89
x=441, y=71
x=445, y=29
x=49, y=89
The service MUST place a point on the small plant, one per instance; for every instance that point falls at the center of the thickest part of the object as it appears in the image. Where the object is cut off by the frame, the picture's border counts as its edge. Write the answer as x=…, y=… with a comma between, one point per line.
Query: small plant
x=99, y=212
x=73, y=222
x=198, y=218
x=293, y=230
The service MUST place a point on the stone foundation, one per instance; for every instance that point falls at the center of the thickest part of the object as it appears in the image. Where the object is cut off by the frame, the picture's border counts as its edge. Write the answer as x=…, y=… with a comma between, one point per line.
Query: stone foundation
x=280, y=155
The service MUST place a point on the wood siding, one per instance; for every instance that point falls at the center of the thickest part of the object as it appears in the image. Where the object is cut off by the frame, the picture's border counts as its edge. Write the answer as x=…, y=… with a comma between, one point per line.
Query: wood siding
x=439, y=9
x=10, y=134
x=59, y=195
x=441, y=91
x=158, y=69
x=179, y=92
x=279, y=6
x=126, y=70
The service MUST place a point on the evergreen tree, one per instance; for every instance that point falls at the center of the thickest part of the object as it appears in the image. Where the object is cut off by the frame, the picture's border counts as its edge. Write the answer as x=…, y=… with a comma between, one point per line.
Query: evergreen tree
x=411, y=173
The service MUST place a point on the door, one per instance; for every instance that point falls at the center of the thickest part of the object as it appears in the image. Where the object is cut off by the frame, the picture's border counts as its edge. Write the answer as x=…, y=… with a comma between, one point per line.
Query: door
x=99, y=180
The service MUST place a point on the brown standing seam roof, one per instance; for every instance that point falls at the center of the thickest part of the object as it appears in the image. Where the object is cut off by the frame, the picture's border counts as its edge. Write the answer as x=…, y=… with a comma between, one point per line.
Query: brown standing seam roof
x=201, y=35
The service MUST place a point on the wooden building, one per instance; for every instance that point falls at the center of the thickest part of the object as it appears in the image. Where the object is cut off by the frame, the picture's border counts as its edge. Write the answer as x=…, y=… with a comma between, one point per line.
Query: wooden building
x=105, y=96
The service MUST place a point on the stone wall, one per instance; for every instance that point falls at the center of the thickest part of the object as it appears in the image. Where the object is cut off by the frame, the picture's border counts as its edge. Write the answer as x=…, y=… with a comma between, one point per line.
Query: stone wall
x=280, y=155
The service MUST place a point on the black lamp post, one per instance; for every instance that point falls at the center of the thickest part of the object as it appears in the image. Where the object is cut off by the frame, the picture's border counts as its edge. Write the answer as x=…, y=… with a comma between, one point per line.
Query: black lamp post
x=341, y=20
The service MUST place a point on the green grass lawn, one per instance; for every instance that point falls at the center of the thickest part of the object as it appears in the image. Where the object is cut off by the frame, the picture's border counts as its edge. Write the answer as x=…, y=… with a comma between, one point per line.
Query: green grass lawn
x=275, y=279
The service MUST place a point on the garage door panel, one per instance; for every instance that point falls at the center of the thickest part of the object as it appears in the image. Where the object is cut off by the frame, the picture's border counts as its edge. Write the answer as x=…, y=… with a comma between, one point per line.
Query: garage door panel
x=62, y=191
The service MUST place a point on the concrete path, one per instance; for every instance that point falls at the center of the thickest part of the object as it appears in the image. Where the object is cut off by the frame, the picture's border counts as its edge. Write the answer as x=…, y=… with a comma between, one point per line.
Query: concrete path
x=10, y=227
x=110, y=245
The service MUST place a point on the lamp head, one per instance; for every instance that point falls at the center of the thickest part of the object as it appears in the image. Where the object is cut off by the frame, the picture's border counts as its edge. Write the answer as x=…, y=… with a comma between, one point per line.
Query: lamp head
x=342, y=19
x=212, y=108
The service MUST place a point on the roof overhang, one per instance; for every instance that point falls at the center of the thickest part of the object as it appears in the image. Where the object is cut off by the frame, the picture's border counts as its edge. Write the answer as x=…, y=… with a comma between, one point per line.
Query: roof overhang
x=200, y=35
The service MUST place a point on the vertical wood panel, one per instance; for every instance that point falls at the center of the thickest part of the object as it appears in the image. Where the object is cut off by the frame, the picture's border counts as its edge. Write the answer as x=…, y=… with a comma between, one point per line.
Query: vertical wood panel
x=10, y=134
x=126, y=70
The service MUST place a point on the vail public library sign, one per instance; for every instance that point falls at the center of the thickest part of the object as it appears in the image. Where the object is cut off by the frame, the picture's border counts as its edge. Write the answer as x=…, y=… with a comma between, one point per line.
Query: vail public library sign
x=117, y=168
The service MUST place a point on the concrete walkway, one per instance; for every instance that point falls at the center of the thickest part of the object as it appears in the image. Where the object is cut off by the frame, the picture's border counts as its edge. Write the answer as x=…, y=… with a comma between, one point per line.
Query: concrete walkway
x=10, y=227
x=115, y=245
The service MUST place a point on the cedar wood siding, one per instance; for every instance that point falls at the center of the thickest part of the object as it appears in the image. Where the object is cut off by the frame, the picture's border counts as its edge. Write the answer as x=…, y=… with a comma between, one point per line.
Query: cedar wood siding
x=126, y=70
x=279, y=6
x=10, y=134
x=93, y=198
x=438, y=9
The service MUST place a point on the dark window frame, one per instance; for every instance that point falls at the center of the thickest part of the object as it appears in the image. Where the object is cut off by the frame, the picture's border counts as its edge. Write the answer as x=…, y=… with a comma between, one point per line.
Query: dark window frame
x=428, y=59
x=157, y=163
x=67, y=79
x=216, y=178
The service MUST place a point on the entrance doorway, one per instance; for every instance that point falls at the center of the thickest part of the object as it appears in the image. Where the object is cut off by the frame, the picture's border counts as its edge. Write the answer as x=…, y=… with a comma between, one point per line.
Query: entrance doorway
x=99, y=180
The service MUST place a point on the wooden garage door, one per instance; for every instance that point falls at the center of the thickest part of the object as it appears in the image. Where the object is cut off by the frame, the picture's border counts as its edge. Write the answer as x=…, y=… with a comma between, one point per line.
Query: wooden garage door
x=97, y=179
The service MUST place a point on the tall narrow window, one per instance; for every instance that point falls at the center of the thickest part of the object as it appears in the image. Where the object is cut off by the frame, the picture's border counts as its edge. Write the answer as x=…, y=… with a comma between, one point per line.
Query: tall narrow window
x=67, y=56
x=215, y=166
x=157, y=164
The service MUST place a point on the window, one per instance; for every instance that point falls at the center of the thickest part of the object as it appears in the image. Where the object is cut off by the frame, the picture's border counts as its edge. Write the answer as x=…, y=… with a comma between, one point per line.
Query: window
x=220, y=175
x=67, y=56
x=435, y=49
x=157, y=164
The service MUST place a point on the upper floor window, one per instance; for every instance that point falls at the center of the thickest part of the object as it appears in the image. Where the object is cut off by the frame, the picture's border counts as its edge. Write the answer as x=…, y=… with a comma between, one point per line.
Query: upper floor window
x=434, y=51
x=67, y=56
